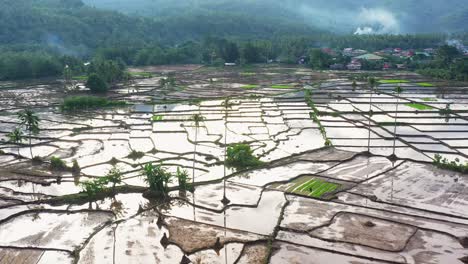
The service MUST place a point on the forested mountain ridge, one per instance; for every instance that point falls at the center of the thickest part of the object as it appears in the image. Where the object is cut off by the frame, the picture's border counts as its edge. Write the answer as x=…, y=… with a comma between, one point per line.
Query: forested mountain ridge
x=341, y=16
x=72, y=25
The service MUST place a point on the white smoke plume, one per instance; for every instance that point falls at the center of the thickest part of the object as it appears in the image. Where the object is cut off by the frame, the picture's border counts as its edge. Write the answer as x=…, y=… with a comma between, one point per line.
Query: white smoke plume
x=377, y=21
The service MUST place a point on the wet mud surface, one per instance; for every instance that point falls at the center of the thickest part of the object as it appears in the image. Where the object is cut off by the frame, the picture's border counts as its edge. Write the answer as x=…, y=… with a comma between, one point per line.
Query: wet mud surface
x=374, y=197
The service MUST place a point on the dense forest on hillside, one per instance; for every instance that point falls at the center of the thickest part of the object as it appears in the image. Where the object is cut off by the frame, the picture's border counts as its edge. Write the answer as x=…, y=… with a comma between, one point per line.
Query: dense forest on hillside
x=39, y=37
x=342, y=16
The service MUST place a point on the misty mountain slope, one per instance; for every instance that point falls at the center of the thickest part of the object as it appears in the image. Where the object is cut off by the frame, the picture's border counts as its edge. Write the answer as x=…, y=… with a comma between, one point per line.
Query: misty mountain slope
x=71, y=23
x=345, y=16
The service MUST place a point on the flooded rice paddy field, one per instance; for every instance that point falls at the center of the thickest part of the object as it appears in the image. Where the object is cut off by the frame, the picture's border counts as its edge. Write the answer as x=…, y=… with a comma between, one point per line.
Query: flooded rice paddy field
x=374, y=197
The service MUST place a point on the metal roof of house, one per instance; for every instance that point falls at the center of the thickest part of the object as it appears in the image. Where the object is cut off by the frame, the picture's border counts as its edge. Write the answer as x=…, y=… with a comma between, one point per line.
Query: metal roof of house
x=369, y=56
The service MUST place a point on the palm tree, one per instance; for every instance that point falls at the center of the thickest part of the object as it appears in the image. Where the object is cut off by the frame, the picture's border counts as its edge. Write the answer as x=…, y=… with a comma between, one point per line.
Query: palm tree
x=30, y=121
x=354, y=85
x=16, y=137
x=398, y=91
x=372, y=83
x=227, y=105
x=196, y=119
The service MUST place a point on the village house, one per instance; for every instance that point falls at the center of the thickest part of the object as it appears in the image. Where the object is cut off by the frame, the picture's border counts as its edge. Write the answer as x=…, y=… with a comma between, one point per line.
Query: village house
x=337, y=67
x=354, y=65
x=369, y=57
x=387, y=66
x=401, y=66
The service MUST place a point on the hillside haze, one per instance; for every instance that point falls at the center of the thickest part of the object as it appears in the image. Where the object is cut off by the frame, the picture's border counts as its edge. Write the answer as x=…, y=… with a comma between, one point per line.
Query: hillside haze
x=341, y=16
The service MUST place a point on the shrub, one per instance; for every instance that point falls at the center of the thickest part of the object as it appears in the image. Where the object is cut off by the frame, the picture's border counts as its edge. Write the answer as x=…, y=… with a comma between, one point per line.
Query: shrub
x=84, y=102
x=96, y=186
x=114, y=176
x=92, y=188
x=96, y=84
x=455, y=165
x=56, y=164
x=183, y=178
x=241, y=156
x=134, y=155
x=158, y=179
x=37, y=160
x=76, y=167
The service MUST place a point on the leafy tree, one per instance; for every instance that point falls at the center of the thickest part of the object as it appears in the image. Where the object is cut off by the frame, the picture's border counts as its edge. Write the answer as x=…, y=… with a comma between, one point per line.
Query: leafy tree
x=446, y=54
x=16, y=137
x=30, y=121
x=251, y=53
x=320, y=60
x=57, y=164
x=96, y=84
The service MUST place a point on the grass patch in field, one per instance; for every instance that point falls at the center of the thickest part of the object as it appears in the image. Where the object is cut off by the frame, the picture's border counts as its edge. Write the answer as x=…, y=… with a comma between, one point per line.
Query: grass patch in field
x=392, y=81
x=85, y=102
x=420, y=106
x=157, y=118
x=135, y=155
x=248, y=73
x=425, y=84
x=314, y=187
x=80, y=78
x=429, y=99
x=282, y=86
x=250, y=86
x=141, y=74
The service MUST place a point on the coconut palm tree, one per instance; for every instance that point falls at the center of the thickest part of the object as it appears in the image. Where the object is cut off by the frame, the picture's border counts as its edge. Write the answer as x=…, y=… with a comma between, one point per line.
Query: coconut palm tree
x=16, y=137
x=227, y=105
x=398, y=91
x=354, y=85
x=30, y=121
x=196, y=119
x=372, y=82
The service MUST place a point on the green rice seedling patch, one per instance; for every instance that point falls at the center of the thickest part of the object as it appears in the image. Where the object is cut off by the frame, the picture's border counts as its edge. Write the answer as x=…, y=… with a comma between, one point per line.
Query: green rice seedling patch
x=248, y=74
x=314, y=187
x=395, y=81
x=420, y=106
x=425, y=84
x=80, y=78
x=429, y=99
x=250, y=86
x=157, y=118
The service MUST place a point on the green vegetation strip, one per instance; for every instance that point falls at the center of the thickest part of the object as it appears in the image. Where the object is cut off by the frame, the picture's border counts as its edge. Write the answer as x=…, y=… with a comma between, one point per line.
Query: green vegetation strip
x=392, y=81
x=430, y=99
x=425, y=84
x=157, y=118
x=248, y=73
x=85, y=102
x=420, y=106
x=314, y=188
x=141, y=74
x=80, y=78
x=250, y=86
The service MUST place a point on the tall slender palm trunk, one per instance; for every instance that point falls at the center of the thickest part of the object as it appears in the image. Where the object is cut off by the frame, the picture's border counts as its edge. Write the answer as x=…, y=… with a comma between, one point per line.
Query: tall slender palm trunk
x=195, y=153
x=30, y=145
x=369, y=124
x=395, y=126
